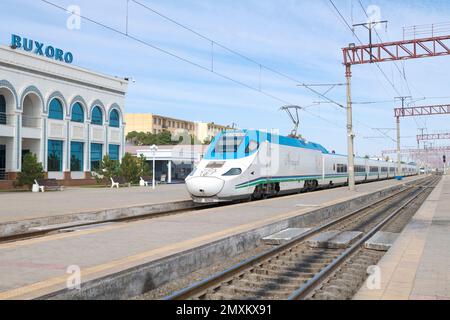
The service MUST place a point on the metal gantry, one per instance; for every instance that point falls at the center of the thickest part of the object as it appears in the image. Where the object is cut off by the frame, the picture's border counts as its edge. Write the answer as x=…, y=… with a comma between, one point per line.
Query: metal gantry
x=433, y=136
x=384, y=52
x=423, y=111
x=398, y=50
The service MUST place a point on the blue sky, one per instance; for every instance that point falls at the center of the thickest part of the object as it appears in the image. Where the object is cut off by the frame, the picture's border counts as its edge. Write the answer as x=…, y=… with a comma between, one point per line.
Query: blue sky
x=301, y=38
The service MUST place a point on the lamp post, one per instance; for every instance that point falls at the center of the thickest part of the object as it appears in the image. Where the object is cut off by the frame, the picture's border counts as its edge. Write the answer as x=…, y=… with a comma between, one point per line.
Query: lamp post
x=154, y=149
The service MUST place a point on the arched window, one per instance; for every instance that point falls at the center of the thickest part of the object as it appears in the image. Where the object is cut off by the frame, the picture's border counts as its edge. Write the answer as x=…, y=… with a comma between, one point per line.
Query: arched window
x=56, y=110
x=77, y=113
x=2, y=109
x=97, y=116
x=114, y=119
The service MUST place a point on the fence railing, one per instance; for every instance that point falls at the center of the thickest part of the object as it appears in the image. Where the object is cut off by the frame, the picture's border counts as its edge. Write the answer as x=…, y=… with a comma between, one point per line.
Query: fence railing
x=27, y=121
x=426, y=31
x=6, y=119
x=31, y=122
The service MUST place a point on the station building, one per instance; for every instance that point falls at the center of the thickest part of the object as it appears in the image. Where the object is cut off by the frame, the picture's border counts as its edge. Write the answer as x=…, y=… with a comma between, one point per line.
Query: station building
x=68, y=116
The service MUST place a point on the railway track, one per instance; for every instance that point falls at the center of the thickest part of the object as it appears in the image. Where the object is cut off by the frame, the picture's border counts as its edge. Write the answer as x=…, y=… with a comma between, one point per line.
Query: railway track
x=296, y=270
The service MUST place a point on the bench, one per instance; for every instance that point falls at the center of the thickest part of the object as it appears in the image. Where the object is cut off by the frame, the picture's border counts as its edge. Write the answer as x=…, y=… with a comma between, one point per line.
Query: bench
x=146, y=181
x=119, y=181
x=48, y=184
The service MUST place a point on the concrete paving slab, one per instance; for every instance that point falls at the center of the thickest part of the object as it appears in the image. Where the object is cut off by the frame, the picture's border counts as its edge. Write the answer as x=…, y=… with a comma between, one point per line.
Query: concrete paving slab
x=417, y=267
x=381, y=241
x=17, y=206
x=284, y=236
x=334, y=239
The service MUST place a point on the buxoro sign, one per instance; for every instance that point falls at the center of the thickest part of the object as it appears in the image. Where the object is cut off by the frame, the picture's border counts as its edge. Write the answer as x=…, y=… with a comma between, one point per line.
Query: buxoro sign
x=41, y=49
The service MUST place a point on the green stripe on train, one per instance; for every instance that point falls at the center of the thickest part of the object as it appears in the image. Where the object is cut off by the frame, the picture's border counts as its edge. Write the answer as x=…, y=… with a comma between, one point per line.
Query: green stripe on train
x=265, y=180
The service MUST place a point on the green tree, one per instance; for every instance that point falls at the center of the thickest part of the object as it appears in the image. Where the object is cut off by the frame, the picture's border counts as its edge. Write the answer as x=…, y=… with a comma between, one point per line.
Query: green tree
x=129, y=168
x=31, y=170
x=108, y=168
x=143, y=167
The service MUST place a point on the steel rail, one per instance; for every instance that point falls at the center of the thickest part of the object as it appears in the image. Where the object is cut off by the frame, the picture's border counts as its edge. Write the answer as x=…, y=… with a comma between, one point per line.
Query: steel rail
x=199, y=287
x=310, y=285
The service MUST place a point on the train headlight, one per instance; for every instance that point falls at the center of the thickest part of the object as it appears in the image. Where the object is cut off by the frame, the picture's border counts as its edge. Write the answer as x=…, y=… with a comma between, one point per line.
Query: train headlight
x=233, y=172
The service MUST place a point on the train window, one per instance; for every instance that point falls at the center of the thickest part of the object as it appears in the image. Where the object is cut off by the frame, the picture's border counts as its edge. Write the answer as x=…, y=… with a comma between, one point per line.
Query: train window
x=215, y=164
x=360, y=169
x=233, y=172
x=229, y=143
x=341, y=168
x=374, y=169
x=384, y=169
x=251, y=146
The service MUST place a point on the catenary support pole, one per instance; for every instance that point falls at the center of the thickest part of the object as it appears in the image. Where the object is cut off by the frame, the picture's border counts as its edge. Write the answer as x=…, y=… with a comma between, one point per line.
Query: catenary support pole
x=399, y=156
x=350, y=135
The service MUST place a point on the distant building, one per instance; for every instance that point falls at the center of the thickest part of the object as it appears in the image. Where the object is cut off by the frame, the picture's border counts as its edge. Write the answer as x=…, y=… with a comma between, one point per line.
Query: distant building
x=172, y=163
x=156, y=124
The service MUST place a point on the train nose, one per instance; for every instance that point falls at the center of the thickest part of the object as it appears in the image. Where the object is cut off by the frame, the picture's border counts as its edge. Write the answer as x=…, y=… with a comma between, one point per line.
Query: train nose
x=204, y=186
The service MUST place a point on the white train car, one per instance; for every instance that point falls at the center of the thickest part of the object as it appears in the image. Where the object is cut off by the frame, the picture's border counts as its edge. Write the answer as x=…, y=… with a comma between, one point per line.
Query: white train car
x=255, y=164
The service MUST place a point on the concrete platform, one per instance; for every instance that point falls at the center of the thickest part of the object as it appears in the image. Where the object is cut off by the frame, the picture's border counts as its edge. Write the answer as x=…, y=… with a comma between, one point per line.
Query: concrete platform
x=284, y=236
x=417, y=267
x=124, y=259
x=381, y=241
x=23, y=212
x=334, y=239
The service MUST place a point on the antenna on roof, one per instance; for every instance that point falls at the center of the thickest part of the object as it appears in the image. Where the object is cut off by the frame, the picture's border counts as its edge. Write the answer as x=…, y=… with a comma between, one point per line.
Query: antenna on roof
x=292, y=112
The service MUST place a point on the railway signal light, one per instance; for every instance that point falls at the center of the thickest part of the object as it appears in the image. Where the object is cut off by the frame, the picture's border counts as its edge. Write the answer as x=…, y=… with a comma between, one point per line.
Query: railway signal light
x=444, y=159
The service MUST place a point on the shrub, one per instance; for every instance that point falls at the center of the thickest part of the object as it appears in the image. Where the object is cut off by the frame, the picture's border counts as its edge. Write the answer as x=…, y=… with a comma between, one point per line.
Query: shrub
x=143, y=167
x=108, y=169
x=31, y=170
x=129, y=168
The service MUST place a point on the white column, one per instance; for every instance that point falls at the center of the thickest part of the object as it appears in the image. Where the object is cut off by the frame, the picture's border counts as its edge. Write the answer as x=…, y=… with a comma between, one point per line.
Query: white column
x=87, y=156
x=169, y=171
x=66, y=156
x=106, y=148
x=44, y=143
x=18, y=144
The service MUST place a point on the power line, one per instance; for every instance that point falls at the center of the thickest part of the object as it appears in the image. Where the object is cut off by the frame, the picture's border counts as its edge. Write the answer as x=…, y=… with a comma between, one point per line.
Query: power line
x=360, y=41
x=259, y=64
x=288, y=77
x=402, y=74
x=146, y=43
x=344, y=20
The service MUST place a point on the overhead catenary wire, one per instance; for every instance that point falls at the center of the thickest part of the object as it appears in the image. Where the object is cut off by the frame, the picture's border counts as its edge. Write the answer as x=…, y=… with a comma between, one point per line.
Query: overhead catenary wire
x=345, y=22
x=195, y=64
x=402, y=74
x=258, y=64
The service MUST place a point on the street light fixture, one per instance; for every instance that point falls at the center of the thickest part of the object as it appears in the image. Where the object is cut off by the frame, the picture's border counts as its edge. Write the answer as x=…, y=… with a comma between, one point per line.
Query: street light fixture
x=154, y=149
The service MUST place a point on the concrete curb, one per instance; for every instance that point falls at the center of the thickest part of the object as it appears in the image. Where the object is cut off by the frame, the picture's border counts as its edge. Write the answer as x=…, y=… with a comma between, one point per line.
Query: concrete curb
x=147, y=276
x=18, y=228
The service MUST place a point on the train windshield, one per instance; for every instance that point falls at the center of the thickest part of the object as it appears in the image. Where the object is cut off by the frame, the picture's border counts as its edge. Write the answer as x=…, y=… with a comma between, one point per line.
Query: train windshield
x=229, y=142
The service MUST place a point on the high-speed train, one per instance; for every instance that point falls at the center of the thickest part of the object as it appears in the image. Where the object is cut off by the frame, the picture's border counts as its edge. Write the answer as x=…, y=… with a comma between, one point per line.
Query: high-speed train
x=253, y=164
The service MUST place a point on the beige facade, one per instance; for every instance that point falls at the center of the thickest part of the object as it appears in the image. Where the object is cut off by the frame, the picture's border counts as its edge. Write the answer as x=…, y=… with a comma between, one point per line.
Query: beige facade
x=156, y=124
x=205, y=131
